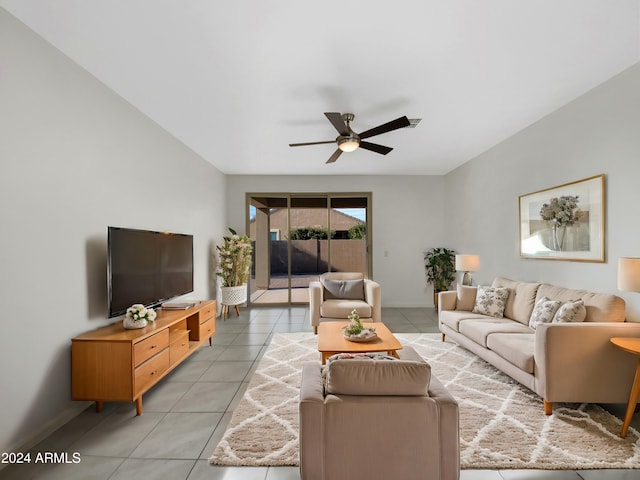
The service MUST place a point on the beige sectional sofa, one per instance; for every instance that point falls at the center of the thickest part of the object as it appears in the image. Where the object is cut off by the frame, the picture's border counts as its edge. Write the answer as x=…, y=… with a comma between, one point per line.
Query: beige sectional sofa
x=560, y=361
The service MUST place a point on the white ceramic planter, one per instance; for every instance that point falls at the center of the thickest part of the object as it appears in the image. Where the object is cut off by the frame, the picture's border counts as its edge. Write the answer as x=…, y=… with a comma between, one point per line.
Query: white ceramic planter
x=132, y=324
x=234, y=295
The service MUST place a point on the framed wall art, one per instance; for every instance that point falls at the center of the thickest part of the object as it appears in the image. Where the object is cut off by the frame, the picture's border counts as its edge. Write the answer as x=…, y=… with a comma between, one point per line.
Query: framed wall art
x=564, y=222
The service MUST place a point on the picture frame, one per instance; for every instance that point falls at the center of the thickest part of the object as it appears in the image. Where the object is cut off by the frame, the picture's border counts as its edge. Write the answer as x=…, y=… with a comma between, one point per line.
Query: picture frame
x=564, y=222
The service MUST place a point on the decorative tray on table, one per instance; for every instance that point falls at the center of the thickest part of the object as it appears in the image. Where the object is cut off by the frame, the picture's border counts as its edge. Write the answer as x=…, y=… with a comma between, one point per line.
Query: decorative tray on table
x=355, y=331
x=361, y=338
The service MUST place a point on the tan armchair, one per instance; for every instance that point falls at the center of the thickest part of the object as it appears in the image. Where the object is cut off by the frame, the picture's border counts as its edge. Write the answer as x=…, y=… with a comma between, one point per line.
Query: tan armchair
x=377, y=419
x=337, y=294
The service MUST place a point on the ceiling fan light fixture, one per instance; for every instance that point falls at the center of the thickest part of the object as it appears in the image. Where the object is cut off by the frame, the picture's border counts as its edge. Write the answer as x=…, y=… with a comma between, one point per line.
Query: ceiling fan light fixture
x=348, y=144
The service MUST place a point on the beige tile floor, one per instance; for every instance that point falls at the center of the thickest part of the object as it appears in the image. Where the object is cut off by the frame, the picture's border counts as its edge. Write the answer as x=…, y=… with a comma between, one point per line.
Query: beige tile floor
x=186, y=414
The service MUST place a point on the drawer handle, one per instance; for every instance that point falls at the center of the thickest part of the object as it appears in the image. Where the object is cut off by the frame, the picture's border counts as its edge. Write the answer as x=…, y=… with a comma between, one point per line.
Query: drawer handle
x=154, y=346
x=154, y=372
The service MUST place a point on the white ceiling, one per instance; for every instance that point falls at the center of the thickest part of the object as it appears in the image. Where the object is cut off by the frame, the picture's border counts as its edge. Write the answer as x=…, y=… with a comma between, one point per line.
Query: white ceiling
x=237, y=81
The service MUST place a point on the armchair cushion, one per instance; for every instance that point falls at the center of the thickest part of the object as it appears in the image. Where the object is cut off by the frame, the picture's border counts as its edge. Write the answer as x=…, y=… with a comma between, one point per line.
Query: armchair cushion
x=337, y=308
x=378, y=375
x=343, y=289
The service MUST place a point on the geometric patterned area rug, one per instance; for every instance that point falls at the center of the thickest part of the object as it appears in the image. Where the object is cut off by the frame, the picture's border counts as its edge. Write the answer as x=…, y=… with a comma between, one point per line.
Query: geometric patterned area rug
x=502, y=423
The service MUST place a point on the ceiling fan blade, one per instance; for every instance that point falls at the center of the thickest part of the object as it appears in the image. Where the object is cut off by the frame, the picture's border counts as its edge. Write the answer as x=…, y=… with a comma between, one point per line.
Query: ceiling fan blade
x=335, y=156
x=338, y=122
x=374, y=147
x=386, y=127
x=310, y=143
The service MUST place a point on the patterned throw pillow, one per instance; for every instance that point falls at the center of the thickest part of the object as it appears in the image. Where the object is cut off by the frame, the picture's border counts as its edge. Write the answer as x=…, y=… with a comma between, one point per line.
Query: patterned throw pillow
x=491, y=301
x=543, y=311
x=571, y=312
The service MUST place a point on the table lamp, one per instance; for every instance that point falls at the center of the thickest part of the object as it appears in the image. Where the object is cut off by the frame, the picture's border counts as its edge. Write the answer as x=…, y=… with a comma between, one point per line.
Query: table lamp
x=466, y=264
x=629, y=274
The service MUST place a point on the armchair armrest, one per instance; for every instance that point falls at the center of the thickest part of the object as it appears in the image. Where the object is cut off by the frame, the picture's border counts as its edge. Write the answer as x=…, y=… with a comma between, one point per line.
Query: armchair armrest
x=576, y=362
x=372, y=297
x=315, y=300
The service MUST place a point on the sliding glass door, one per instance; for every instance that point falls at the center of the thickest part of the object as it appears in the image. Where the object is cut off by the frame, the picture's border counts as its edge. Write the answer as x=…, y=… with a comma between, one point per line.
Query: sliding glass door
x=297, y=237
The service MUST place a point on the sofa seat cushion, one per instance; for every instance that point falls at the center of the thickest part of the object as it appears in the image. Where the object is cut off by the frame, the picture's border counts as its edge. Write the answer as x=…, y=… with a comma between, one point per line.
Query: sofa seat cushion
x=452, y=318
x=515, y=348
x=341, y=308
x=479, y=329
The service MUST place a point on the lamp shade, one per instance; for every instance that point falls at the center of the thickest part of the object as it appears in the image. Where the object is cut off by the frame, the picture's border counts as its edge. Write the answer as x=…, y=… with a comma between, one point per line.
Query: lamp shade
x=467, y=263
x=629, y=274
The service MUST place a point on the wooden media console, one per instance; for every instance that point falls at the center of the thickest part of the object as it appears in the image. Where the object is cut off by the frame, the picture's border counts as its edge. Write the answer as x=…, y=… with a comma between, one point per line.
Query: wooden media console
x=112, y=364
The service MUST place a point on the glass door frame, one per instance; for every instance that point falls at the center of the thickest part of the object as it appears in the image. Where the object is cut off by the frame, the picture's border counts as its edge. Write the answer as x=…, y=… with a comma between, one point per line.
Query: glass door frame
x=329, y=196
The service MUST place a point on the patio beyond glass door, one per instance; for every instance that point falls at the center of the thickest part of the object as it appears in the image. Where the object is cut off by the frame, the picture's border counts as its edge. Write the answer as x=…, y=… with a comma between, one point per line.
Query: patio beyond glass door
x=297, y=237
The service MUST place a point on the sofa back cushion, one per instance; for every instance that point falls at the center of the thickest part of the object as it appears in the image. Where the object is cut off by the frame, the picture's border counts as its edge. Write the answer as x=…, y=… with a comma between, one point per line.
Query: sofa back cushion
x=367, y=376
x=466, y=297
x=600, y=307
x=522, y=298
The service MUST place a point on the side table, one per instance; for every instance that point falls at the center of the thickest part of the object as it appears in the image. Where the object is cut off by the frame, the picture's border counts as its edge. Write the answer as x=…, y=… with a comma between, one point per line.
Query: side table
x=631, y=345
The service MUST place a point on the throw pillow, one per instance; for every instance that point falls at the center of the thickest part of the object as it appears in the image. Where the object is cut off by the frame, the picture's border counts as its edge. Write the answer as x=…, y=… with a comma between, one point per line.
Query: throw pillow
x=543, y=311
x=571, y=312
x=491, y=301
x=466, y=297
x=344, y=289
x=365, y=376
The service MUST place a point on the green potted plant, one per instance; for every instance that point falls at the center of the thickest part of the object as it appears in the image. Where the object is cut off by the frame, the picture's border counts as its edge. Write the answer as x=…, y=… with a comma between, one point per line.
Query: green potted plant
x=233, y=268
x=440, y=269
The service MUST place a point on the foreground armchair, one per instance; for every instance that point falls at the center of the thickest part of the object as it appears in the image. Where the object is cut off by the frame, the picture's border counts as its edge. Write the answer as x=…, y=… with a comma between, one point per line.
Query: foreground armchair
x=377, y=419
x=338, y=293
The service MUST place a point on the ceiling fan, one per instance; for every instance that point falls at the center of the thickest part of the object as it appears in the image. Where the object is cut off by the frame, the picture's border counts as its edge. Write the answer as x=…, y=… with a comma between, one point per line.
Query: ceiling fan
x=348, y=140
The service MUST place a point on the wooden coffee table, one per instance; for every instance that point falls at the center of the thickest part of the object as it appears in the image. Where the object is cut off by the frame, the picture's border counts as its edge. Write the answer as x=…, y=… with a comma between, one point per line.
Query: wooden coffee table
x=331, y=341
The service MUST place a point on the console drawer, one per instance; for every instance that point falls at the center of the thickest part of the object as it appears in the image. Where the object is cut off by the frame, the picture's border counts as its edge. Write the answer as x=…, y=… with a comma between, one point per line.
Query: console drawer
x=207, y=312
x=179, y=346
x=205, y=330
x=148, y=347
x=148, y=373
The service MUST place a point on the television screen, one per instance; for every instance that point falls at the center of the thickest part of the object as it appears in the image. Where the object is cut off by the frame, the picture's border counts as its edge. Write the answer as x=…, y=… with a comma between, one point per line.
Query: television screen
x=147, y=267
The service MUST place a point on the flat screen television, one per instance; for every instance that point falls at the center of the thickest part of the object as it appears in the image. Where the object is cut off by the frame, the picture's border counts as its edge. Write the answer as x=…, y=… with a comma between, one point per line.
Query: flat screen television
x=147, y=267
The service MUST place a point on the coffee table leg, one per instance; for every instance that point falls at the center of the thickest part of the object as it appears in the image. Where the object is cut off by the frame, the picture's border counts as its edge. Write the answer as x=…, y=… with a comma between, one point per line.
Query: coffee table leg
x=326, y=355
x=633, y=400
x=393, y=353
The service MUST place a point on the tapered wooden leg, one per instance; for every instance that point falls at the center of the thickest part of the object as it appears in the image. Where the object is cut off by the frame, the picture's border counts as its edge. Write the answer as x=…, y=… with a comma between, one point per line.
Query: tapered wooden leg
x=633, y=400
x=139, y=406
x=443, y=337
x=315, y=329
x=548, y=407
x=237, y=310
x=99, y=406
